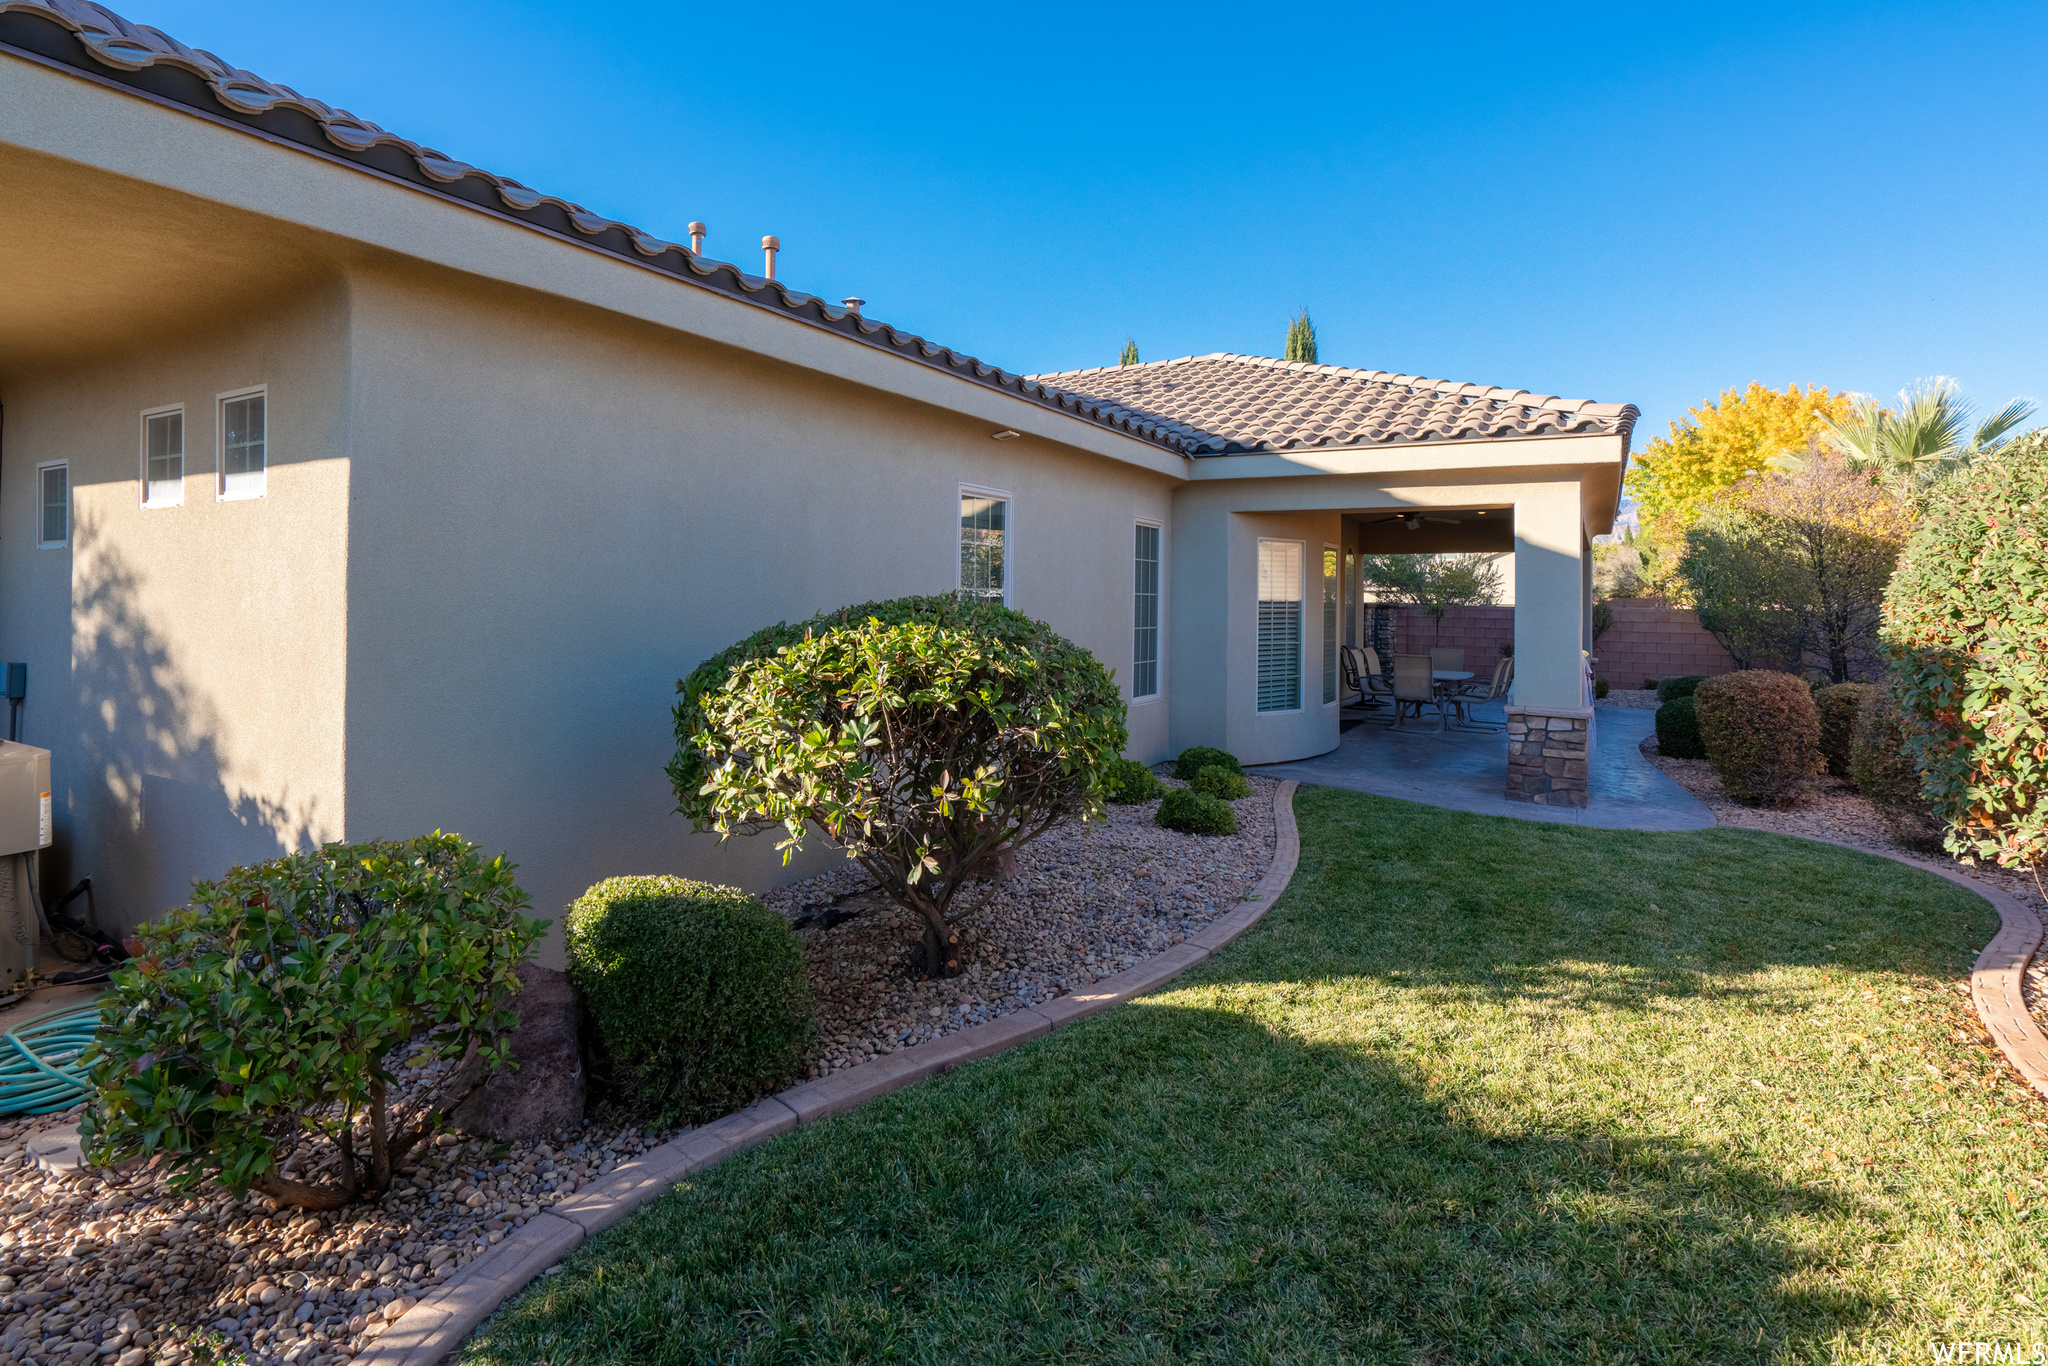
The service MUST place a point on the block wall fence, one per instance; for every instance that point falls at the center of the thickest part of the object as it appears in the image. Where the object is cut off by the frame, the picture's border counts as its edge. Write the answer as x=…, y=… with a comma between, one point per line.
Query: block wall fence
x=1649, y=639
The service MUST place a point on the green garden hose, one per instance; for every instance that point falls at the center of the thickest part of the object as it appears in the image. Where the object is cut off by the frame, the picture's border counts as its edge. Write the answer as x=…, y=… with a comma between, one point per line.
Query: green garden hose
x=39, y=1069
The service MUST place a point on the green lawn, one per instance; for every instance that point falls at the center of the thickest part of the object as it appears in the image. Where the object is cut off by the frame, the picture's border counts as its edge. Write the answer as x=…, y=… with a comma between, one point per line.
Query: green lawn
x=1476, y=1090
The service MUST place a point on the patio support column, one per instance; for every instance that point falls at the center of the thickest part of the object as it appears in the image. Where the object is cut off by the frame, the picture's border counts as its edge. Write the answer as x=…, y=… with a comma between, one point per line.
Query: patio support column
x=1549, y=722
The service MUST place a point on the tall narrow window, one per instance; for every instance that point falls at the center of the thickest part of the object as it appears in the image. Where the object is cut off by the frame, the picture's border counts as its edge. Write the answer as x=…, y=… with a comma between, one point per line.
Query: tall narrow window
x=53, y=506
x=163, y=459
x=1280, y=625
x=1351, y=593
x=242, y=446
x=1329, y=623
x=1145, y=613
x=984, y=525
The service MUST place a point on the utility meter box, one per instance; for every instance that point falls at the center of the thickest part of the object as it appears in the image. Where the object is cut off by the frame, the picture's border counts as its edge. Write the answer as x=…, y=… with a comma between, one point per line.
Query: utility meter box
x=24, y=798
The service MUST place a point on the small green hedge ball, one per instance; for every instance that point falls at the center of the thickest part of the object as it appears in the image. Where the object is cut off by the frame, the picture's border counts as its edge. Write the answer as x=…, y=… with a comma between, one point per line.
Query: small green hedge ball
x=1224, y=783
x=1196, y=813
x=1198, y=757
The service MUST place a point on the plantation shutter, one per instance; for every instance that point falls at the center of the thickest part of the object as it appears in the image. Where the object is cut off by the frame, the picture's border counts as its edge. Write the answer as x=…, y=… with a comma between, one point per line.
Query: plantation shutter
x=1279, y=625
x=1145, y=613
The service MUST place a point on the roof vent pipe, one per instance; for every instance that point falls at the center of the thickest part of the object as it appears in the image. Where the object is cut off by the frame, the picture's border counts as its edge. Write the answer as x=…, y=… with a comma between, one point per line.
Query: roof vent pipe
x=769, y=246
x=696, y=239
x=852, y=304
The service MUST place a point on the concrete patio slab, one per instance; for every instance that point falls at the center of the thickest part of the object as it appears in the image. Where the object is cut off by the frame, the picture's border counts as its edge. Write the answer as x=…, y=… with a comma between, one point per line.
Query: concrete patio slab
x=1467, y=771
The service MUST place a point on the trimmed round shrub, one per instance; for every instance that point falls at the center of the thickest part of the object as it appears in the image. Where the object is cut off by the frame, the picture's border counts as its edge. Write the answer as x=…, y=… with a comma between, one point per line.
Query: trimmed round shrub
x=1882, y=768
x=1838, y=705
x=1649, y=685
x=1195, y=758
x=697, y=992
x=1128, y=782
x=1218, y=781
x=1762, y=735
x=929, y=738
x=1965, y=633
x=1678, y=730
x=1671, y=689
x=274, y=1003
x=1196, y=813
x=1601, y=687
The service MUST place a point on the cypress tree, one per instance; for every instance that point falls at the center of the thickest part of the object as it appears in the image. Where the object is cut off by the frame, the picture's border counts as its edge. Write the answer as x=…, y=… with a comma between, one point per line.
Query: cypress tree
x=1130, y=355
x=1301, y=339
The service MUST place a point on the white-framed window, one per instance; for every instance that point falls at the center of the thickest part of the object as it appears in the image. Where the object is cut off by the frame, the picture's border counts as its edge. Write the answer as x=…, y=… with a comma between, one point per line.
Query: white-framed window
x=1280, y=592
x=53, y=505
x=163, y=457
x=1330, y=603
x=1145, y=614
x=244, y=443
x=985, y=543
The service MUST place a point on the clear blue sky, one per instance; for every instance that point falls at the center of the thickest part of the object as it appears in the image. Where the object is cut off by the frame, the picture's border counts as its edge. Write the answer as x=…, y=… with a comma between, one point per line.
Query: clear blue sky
x=1641, y=203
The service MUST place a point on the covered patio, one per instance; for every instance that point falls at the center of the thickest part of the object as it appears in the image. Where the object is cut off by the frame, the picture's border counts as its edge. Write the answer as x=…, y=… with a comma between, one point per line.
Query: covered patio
x=1460, y=770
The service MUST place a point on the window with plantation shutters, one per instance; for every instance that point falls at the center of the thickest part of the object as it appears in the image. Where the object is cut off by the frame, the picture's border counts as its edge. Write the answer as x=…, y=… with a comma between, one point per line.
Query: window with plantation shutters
x=1280, y=625
x=163, y=458
x=1145, y=613
x=1329, y=623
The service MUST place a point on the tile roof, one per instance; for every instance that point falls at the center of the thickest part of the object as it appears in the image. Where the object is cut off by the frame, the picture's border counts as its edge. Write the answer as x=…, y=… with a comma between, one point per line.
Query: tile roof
x=91, y=39
x=1225, y=404
x=1200, y=405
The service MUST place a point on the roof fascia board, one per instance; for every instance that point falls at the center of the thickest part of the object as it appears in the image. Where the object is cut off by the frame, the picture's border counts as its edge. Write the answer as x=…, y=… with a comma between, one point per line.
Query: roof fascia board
x=1408, y=457
x=83, y=117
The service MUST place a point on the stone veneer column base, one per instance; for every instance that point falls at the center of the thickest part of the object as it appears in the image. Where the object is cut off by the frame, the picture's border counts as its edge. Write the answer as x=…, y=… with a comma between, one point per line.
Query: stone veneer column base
x=1548, y=748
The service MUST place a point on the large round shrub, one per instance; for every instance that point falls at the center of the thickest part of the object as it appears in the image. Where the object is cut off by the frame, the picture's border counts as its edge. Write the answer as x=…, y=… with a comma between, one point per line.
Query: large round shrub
x=1196, y=813
x=1838, y=706
x=697, y=992
x=1678, y=730
x=1881, y=767
x=1762, y=735
x=1966, y=638
x=269, y=1007
x=1127, y=782
x=927, y=737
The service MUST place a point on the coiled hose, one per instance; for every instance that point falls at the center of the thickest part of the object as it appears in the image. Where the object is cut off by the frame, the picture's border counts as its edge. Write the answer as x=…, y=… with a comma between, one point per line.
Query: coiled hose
x=39, y=1070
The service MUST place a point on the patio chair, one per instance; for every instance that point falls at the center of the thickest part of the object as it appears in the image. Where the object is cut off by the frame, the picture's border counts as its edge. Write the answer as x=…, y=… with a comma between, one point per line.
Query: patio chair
x=1479, y=694
x=1447, y=659
x=1362, y=673
x=1415, y=686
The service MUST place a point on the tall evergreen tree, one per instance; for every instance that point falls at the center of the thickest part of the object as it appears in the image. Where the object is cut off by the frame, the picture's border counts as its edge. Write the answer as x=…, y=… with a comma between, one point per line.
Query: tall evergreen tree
x=1301, y=339
x=1130, y=355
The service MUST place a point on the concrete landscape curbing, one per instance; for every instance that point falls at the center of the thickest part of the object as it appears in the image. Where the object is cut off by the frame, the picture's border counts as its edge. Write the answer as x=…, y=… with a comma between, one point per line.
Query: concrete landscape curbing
x=432, y=1329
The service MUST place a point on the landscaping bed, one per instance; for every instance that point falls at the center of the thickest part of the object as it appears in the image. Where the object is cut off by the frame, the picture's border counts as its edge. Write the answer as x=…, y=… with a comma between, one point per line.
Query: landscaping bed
x=114, y=1265
x=1085, y=902
x=1475, y=1089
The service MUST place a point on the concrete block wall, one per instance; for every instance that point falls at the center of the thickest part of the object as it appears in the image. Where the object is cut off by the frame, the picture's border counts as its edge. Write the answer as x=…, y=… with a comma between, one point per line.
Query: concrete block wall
x=1649, y=639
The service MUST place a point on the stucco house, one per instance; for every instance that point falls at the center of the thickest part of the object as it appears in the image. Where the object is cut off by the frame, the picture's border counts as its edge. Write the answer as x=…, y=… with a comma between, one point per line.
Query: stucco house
x=348, y=489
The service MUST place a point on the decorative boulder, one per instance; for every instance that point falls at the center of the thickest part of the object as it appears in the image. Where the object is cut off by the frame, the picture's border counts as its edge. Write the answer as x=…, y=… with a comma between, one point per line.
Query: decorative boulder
x=544, y=1094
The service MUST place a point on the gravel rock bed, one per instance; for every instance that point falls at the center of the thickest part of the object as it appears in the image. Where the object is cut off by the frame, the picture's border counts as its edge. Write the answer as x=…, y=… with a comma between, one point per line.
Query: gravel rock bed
x=1834, y=811
x=1084, y=902
x=1636, y=699
x=113, y=1266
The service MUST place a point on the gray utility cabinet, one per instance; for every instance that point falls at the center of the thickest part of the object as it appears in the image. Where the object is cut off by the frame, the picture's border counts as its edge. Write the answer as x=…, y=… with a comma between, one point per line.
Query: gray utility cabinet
x=24, y=798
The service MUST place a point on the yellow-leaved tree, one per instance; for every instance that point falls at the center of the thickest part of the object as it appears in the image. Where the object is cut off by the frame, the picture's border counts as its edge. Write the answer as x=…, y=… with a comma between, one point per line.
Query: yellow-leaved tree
x=1722, y=442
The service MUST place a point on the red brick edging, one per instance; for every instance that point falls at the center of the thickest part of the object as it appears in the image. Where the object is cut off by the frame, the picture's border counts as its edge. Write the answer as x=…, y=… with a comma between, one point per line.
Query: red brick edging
x=436, y=1326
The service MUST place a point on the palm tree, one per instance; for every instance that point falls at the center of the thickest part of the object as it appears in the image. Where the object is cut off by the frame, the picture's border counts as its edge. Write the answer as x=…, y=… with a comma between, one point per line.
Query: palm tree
x=1930, y=433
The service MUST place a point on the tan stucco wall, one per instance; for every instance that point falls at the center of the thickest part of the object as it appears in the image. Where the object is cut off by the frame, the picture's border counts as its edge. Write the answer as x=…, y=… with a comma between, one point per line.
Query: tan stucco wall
x=186, y=664
x=557, y=513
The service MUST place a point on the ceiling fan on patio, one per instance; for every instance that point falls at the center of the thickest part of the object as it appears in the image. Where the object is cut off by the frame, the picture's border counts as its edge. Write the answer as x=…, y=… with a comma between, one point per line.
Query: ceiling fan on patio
x=1414, y=520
